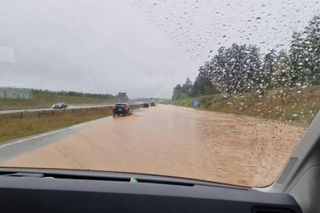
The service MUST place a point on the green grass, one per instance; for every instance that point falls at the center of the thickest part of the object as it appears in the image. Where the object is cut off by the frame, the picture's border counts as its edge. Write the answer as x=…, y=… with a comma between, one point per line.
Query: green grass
x=44, y=100
x=297, y=105
x=12, y=128
x=17, y=125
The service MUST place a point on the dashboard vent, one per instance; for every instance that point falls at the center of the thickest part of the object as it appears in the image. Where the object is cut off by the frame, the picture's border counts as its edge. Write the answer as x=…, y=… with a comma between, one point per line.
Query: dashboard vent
x=271, y=210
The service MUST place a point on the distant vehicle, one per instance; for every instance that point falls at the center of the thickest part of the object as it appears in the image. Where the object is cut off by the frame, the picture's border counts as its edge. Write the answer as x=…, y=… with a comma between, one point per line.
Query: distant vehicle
x=145, y=105
x=122, y=109
x=152, y=104
x=60, y=106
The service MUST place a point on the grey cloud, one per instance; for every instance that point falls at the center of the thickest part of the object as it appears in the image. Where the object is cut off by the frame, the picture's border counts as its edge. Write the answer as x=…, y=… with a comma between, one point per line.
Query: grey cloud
x=141, y=47
x=100, y=46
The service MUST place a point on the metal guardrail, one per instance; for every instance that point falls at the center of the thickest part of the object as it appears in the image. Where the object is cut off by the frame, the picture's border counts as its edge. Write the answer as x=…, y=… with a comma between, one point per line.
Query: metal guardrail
x=59, y=112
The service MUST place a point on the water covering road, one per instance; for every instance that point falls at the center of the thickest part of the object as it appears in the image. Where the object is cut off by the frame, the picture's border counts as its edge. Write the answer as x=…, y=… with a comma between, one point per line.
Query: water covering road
x=170, y=140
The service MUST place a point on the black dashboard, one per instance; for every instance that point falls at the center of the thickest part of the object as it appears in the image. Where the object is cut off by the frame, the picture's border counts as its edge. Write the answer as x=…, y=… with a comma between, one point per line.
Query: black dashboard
x=45, y=190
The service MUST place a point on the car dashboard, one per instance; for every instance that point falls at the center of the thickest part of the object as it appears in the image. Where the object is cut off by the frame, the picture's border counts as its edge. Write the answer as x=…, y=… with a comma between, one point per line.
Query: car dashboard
x=36, y=190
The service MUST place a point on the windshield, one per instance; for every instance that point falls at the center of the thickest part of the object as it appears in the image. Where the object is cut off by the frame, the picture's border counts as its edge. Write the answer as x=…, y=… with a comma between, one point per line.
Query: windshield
x=233, y=85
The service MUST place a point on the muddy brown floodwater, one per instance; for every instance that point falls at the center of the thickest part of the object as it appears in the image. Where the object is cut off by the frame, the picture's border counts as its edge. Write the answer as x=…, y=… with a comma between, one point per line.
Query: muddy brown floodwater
x=175, y=141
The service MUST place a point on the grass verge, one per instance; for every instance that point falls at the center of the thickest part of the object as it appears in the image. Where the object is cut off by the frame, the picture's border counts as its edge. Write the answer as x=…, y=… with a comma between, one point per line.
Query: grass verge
x=12, y=128
x=296, y=105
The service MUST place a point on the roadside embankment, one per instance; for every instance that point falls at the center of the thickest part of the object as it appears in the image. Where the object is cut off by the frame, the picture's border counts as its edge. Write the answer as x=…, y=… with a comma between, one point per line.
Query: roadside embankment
x=296, y=105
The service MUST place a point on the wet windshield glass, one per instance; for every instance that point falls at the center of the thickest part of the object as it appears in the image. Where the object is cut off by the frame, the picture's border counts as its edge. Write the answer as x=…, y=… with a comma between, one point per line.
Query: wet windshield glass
x=220, y=91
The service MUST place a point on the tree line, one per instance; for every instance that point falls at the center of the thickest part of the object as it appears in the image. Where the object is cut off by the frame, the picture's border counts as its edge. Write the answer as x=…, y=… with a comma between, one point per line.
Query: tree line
x=241, y=68
x=73, y=93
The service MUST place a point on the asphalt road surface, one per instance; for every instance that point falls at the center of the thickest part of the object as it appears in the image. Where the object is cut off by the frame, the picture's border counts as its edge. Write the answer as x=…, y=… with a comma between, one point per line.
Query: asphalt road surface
x=166, y=140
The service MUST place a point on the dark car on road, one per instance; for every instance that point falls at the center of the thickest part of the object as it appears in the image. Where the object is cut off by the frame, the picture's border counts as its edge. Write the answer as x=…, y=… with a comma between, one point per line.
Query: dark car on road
x=152, y=104
x=60, y=106
x=145, y=105
x=122, y=109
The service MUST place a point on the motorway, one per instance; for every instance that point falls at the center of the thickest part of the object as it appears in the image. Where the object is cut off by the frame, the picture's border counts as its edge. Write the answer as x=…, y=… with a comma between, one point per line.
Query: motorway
x=166, y=140
x=46, y=109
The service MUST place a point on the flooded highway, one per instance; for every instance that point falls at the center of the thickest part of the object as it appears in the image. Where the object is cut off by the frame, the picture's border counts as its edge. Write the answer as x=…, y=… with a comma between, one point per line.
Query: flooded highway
x=174, y=141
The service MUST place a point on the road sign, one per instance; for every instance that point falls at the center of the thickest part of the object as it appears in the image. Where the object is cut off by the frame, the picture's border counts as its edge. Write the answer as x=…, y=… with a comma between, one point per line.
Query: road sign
x=195, y=103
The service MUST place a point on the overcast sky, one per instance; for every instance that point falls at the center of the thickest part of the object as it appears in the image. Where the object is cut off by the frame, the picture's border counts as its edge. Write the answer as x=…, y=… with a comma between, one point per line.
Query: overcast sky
x=141, y=47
